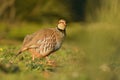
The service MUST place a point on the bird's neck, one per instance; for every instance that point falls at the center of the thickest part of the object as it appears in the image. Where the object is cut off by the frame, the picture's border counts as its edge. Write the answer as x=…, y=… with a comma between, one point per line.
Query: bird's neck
x=62, y=31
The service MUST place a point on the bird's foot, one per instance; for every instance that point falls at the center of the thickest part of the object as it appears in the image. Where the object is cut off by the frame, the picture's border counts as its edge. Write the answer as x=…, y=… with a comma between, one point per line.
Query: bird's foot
x=51, y=63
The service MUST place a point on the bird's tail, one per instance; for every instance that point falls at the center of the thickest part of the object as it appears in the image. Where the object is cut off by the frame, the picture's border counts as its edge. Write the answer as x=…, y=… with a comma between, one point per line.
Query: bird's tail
x=19, y=52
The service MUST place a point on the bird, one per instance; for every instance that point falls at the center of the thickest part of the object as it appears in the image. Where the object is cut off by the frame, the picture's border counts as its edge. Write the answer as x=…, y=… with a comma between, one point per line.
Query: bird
x=45, y=41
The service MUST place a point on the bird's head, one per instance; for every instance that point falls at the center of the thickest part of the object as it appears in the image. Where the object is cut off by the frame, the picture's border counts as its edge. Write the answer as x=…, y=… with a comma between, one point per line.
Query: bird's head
x=61, y=24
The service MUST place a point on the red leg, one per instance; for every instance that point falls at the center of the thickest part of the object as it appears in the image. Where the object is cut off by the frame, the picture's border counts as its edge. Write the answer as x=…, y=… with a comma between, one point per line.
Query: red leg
x=33, y=57
x=35, y=54
x=50, y=62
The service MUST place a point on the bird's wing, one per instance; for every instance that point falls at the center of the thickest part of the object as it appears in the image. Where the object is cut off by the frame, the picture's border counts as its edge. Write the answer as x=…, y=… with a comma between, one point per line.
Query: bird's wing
x=43, y=41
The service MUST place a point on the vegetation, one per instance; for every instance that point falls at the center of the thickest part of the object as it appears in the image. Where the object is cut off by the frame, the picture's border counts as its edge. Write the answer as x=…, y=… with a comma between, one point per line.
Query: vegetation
x=90, y=51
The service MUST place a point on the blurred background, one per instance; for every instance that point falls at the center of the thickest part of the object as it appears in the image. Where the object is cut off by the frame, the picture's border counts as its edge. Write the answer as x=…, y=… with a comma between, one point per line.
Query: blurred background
x=92, y=34
x=22, y=15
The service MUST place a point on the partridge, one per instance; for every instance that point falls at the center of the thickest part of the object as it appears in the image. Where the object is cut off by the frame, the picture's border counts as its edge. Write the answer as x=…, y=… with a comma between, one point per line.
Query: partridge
x=44, y=42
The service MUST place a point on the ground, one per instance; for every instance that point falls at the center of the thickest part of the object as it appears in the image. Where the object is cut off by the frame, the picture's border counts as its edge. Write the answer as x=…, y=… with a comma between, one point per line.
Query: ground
x=90, y=52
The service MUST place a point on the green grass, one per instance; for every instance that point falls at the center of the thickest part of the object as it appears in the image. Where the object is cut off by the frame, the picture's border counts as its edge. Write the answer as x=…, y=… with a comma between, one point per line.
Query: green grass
x=27, y=69
x=90, y=52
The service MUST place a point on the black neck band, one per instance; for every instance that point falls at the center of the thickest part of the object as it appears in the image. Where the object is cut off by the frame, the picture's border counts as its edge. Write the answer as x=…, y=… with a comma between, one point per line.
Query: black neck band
x=60, y=29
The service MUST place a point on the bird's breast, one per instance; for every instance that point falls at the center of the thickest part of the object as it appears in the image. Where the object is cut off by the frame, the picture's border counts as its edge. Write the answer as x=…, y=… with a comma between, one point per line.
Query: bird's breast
x=57, y=46
x=59, y=41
